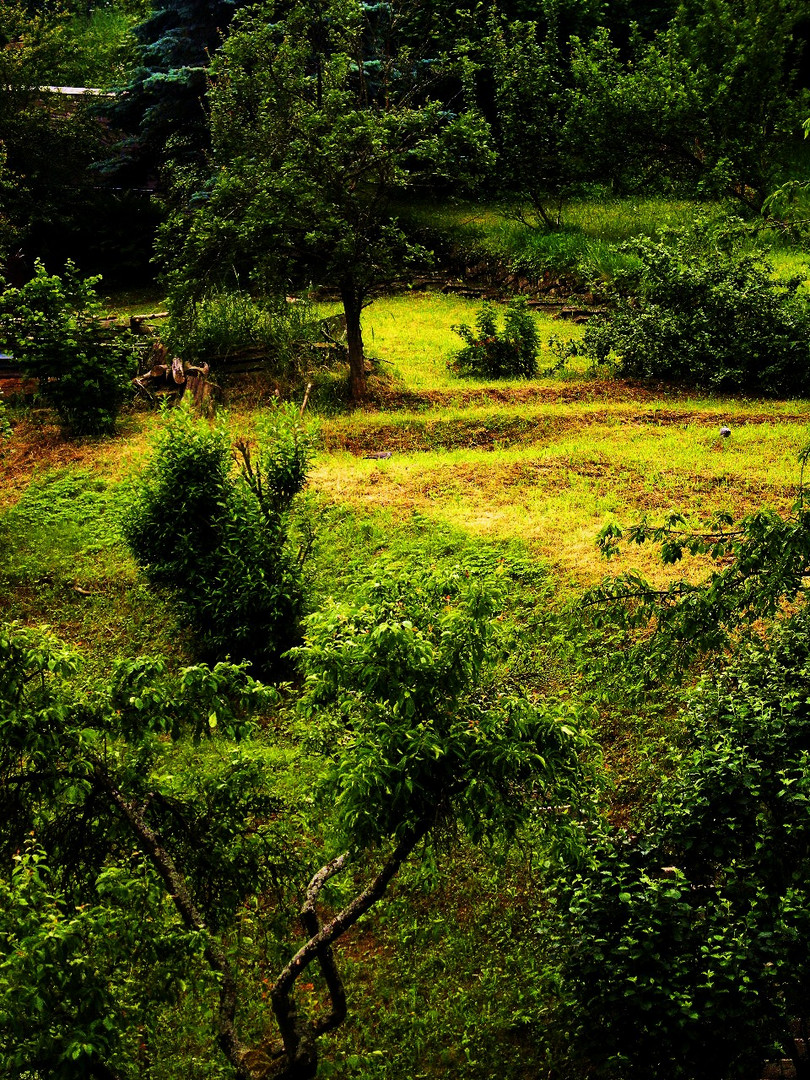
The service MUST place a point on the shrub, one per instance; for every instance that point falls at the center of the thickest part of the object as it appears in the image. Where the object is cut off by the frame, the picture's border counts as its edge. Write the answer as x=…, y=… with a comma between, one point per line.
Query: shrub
x=51, y=325
x=488, y=354
x=687, y=945
x=695, y=313
x=218, y=536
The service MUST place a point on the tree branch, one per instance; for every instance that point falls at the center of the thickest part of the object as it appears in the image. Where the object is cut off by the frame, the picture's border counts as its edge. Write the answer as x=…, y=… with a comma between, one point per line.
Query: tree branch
x=178, y=891
x=326, y=958
x=349, y=915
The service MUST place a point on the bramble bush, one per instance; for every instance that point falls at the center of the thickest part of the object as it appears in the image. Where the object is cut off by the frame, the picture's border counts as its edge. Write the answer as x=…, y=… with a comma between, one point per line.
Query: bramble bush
x=704, y=313
x=217, y=535
x=490, y=354
x=51, y=326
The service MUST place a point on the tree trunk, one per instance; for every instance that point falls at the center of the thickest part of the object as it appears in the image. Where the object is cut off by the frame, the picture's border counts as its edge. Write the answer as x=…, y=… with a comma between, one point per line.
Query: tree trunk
x=353, y=307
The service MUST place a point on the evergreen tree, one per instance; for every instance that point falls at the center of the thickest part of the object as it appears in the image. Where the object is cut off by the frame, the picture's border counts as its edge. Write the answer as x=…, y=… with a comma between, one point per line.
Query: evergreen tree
x=162, y=109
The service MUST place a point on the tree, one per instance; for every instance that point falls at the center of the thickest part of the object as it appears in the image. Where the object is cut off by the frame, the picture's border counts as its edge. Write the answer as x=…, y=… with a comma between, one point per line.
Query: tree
x=315, y=128
x=162, y=107
x=146, y=861
x=530, y=86
x=710, y=102
x=685, y=944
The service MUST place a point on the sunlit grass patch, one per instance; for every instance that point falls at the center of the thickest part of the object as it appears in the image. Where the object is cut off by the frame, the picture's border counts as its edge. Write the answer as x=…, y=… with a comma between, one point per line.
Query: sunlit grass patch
x=524, y=419
x=36, y=447
x=65, y=564
x=556, y=493
x=611, y=219
x=413, y=333
x=591, y=233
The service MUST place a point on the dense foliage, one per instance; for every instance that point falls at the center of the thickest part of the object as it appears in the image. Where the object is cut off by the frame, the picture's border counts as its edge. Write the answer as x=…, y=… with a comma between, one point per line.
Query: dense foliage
x=139, y=871
x=279, y=333
x=709, y=104
x=492, y=354
x=183, y=847
x=403, y=679
x=53, y=327
x=161, y=108
x=697, y=312
x=54, y=204
x=529, y=81
x=687, y=942
x=219, y=538
x=316, y=126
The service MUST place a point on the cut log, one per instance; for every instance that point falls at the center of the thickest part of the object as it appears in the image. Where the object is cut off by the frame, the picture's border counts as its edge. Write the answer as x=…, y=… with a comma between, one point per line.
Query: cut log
x=200, y=389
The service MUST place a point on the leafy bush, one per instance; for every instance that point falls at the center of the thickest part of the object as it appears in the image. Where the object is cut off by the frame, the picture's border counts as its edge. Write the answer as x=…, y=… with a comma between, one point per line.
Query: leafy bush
x=687, y=947
x=761, y=564
x=695, y=312
x=219, y=537
x=92, y=952
x=488, y=354
x=51, y=325
x=398, y=696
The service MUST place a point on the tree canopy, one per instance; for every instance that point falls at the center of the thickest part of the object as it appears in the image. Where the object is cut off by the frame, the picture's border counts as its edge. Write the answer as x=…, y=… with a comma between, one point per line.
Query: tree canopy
x=137, y=861
x=315, y=133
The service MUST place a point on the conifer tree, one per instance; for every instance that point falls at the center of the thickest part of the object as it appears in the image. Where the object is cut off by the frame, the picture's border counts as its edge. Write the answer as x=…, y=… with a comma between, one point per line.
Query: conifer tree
x=162, y=109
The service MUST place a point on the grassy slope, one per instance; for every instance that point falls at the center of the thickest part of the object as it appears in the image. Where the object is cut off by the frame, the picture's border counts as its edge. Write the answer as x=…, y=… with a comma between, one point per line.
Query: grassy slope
x=448, y=975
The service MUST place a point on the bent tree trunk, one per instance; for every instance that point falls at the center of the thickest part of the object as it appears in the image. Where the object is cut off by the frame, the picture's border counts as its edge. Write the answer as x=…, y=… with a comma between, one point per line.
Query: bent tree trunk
x=353, y=307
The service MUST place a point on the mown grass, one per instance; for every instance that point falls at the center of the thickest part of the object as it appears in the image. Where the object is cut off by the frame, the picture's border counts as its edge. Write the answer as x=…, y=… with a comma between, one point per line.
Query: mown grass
x=555, y=493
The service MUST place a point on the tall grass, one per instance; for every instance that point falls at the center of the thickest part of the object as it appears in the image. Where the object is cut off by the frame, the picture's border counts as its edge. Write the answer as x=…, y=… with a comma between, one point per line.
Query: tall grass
x=593, y=229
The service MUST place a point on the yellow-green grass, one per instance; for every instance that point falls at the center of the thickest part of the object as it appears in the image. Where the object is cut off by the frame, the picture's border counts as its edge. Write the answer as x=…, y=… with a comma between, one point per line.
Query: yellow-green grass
x=413, y=333
x=492, y=416
x=136, y=301
x=557, y=493
x=612, y=219
x=544, y=461
x=592, y=230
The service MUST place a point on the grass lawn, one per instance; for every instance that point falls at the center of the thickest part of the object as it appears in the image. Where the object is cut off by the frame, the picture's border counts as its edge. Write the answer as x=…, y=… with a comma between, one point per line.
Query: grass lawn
x=592, y=229
x=544, y=462
x=413, y=334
